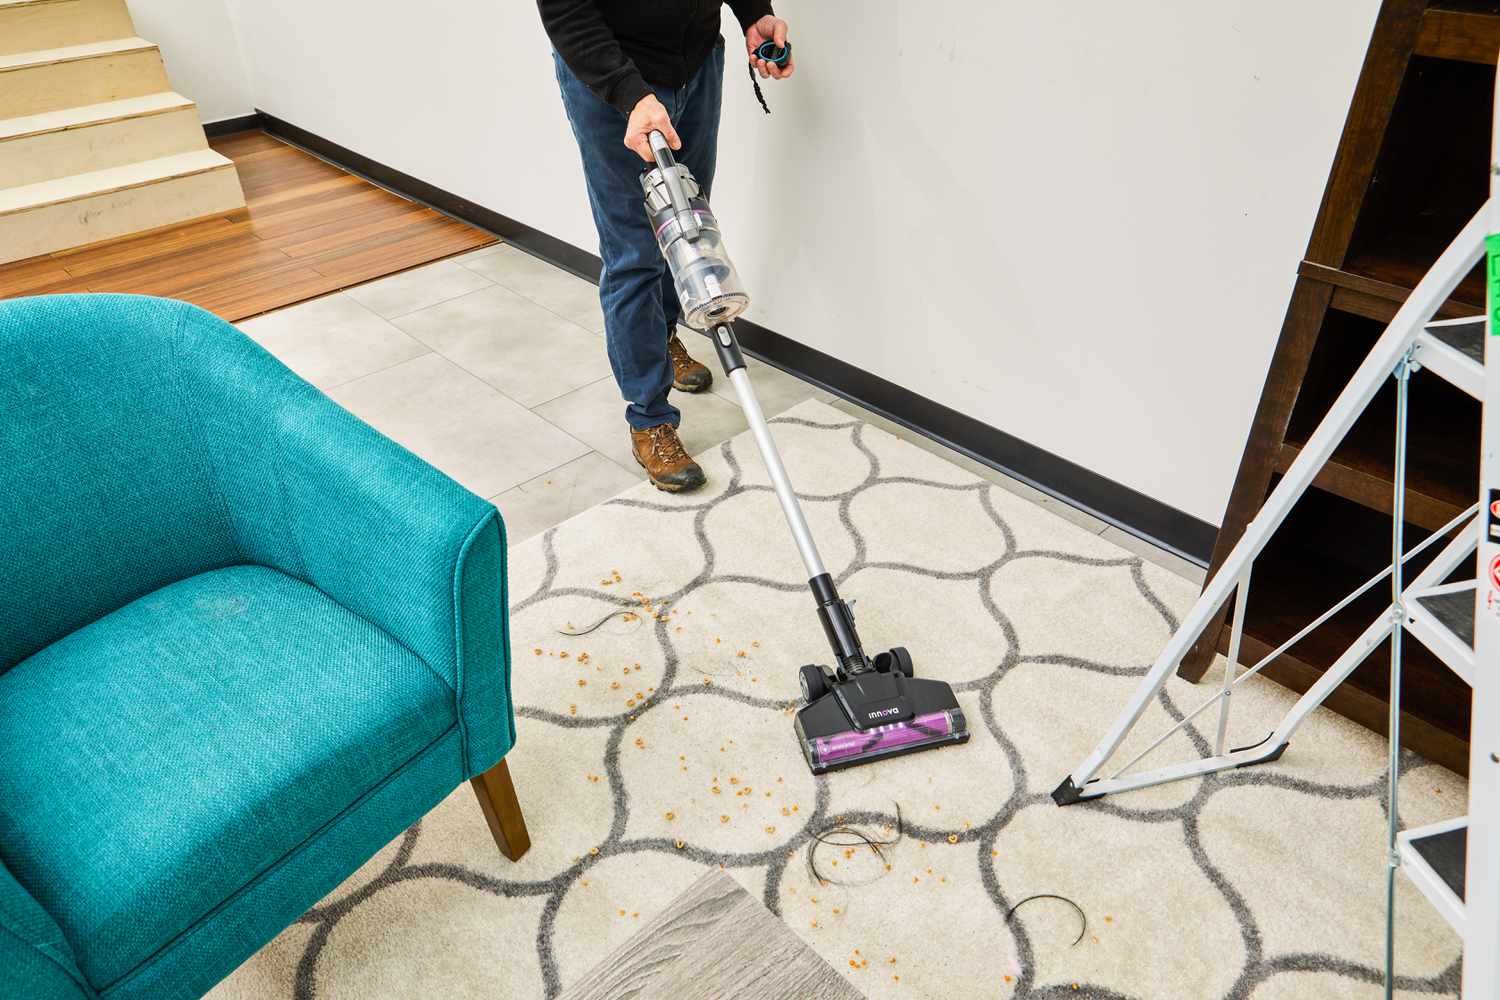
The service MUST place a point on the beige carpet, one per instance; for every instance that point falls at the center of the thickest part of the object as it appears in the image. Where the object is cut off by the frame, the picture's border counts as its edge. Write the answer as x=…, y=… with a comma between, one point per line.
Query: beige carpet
x=655, y=746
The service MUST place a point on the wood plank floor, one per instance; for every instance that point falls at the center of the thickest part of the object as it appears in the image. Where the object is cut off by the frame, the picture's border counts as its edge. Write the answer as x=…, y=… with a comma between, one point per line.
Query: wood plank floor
x=308, y=228
x=714, y=942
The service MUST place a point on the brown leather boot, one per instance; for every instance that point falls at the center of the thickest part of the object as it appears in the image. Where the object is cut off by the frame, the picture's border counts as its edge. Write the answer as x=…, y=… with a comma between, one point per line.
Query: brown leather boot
x=659, y=451
x=687, y=375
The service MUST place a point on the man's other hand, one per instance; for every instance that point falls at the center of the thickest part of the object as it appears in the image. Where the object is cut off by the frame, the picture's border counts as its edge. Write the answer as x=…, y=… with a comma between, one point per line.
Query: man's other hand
x=649, y=114
x=768, y=29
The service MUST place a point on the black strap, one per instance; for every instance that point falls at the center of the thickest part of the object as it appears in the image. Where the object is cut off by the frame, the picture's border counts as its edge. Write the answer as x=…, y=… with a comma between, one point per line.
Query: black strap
x=756, y=84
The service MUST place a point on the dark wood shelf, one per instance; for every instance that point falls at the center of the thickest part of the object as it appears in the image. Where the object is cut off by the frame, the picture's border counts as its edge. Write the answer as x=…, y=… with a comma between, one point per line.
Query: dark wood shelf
x=1442, y=432
x=1355, y=478
x=1377, y=289
x=1429, y=177
x=1466, y=32
x=1465, y=6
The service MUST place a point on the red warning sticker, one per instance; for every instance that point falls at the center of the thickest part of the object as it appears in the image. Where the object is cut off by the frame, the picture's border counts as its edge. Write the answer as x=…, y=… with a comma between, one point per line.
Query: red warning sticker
x=1495, y=573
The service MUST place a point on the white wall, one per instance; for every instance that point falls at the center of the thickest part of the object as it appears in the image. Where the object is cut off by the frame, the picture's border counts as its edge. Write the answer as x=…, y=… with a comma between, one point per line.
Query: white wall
x=202, y=52
x=1076, y=222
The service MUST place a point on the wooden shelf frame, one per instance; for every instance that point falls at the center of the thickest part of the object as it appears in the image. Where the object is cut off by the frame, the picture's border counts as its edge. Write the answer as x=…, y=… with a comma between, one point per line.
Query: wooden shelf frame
x=1461, y=32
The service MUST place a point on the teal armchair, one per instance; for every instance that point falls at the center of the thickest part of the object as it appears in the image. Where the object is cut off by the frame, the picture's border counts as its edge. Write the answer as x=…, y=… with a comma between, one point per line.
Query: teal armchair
x=245, y=641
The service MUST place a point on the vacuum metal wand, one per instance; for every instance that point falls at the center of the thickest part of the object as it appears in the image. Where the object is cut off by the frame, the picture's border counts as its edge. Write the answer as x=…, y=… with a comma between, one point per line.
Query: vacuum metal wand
x=833, y=611
x=734, y=364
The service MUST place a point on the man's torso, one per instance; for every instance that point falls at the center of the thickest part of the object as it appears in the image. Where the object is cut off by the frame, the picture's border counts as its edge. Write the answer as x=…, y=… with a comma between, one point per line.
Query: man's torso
x=667, y=40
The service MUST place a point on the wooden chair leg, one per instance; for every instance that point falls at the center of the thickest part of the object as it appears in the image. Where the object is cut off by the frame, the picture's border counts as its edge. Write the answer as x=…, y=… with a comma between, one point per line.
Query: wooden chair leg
x=497, y=799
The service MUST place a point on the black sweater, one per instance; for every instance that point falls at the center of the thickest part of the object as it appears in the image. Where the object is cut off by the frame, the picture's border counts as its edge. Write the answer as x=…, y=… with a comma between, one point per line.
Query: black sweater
x=617, y=47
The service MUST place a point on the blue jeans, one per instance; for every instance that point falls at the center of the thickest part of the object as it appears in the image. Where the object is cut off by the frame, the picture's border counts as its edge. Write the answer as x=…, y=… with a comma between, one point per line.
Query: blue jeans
x=635, y=289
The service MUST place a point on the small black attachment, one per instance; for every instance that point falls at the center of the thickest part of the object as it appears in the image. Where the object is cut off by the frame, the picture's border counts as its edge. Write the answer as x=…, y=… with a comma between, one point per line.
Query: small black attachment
x=728, y=346
x=838, y=625
x=1268, y=758
x=1047, y=895
x=1067, y=793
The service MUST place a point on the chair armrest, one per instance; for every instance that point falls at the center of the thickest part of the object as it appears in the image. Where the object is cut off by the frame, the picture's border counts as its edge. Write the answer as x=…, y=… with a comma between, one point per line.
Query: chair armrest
x=35, y=959
x=400, y=544
x=315, y=492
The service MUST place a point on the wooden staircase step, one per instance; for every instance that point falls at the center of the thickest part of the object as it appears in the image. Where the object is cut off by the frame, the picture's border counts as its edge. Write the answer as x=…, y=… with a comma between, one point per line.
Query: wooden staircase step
x=54, y=144
x=86, y=208
x=65, y=189
x=26, y=25
x=72, y=53
x=43, y=80
x=27, y=126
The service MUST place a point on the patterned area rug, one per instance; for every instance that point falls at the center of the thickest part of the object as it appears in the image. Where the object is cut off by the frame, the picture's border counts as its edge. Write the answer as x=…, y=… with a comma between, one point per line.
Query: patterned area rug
x=661, y=742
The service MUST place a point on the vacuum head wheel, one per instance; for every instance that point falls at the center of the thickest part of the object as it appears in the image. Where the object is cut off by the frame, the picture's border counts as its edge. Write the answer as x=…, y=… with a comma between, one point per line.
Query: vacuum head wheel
x=897, y=659
x=814, y=682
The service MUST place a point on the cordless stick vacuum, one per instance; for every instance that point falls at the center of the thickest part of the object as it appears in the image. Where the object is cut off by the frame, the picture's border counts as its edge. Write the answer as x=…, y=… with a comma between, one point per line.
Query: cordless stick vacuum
x=860, y=709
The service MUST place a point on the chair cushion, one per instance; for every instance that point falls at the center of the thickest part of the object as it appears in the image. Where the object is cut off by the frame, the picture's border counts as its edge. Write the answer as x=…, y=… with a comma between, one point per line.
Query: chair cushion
x=158, y=760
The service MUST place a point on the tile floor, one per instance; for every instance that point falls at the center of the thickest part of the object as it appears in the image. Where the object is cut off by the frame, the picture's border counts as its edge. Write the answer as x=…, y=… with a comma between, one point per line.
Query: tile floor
x=491, y=366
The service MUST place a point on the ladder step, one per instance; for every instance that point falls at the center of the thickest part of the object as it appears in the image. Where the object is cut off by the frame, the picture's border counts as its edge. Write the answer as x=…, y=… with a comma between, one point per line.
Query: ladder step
x=1433, y=858
x=1454, y=351
x=1454, y=609
x=1443, y=619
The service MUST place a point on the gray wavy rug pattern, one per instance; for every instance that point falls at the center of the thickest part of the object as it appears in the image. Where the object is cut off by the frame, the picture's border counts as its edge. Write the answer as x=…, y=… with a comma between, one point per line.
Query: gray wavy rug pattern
x=661, y=742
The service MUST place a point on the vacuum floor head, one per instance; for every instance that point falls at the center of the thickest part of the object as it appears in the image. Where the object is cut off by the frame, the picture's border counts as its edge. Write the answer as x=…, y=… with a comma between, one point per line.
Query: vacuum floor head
x=874, y=714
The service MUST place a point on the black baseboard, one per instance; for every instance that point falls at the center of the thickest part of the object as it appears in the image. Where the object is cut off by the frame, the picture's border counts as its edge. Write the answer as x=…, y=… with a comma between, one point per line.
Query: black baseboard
x=1115, y=503
x=1075, y=485
x=227, y=126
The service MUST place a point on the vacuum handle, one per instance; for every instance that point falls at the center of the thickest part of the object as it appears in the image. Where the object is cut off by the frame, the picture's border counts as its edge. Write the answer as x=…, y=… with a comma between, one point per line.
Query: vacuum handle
x=661, y=150
x=687, y=219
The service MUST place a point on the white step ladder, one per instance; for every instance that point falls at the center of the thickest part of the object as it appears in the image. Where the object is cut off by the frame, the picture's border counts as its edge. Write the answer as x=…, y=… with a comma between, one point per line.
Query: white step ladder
x=1480, y=913
x=1458, y=621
